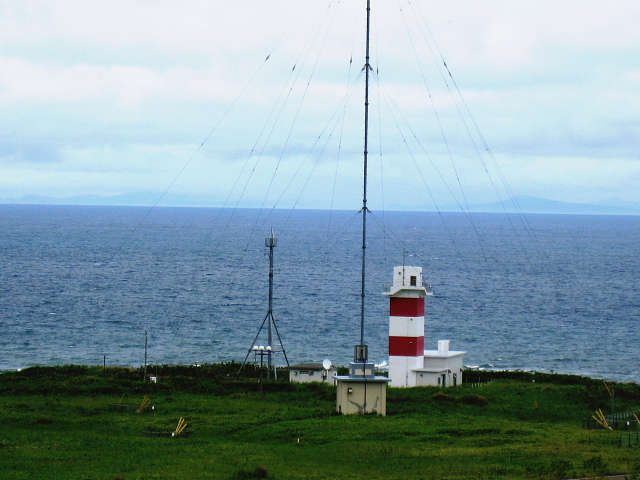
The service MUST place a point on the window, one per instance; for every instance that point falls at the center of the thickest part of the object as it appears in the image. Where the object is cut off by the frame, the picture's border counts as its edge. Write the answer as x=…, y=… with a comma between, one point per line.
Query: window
x=413, y=280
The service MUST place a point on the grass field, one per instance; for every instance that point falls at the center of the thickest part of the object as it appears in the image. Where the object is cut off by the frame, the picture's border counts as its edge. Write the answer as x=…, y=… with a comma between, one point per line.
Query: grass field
x=56, y=424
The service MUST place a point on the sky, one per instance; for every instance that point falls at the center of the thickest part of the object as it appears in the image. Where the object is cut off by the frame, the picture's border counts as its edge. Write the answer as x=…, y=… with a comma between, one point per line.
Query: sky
x=254, y=103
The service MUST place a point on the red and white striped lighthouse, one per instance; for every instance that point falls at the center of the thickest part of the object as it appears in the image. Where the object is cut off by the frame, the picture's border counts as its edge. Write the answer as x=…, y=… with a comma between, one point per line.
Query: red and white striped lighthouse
x=406, y=325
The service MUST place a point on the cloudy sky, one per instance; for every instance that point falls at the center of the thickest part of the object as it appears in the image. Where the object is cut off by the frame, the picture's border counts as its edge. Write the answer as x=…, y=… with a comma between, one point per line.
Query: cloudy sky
x=258, y=103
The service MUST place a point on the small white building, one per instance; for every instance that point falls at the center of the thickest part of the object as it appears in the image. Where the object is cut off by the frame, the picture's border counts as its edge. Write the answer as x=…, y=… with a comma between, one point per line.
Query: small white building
x=441, y=368
x=312, y=372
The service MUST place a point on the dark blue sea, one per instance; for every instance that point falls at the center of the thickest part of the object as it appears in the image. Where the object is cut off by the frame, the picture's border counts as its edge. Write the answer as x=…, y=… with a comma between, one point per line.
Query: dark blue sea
x=541, y=292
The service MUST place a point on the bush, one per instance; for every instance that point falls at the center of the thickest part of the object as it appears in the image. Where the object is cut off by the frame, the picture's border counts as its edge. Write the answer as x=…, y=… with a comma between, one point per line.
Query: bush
x=443, y=397
x=561, y=468
x=596, y=465
x=474, y=399
x=258, y=472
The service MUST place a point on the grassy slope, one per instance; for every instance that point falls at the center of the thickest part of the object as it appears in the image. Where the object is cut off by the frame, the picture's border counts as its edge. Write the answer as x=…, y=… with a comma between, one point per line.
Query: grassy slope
x=525, y=430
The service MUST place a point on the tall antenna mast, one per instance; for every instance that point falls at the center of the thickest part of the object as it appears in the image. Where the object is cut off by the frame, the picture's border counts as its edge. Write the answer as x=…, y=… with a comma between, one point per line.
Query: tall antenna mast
x=362, y=391
x=361, y=351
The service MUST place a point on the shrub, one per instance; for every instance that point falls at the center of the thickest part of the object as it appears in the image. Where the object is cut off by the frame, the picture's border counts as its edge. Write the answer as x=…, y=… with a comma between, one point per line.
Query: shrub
x=561, y=468
x=443, y=397
x=596, y=464
x=474, y=399
x=258, y=472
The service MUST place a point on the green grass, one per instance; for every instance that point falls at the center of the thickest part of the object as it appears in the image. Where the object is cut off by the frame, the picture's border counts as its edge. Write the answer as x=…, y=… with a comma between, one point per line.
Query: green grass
x=55, y=424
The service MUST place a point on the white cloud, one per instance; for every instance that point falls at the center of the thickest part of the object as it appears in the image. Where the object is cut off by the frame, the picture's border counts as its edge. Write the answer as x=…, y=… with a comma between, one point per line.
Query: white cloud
x=137, y=86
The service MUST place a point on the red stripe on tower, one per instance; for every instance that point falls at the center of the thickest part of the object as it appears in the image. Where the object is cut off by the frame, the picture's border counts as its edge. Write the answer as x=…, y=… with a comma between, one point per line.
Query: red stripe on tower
x=406, y=307
x=406, y=346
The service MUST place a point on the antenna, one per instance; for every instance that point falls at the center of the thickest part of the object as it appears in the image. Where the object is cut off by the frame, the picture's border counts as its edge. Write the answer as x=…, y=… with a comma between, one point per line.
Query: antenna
x=361, y=351
x=362, y=391
x=268, y=350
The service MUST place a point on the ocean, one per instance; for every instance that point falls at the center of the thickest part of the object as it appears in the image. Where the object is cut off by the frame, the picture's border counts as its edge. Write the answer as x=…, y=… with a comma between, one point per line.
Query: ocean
x=85, y=285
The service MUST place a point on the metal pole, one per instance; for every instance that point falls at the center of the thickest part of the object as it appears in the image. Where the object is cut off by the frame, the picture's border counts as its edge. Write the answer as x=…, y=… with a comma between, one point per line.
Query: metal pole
x=271, y=243
x=367, y=67
x=144, y=379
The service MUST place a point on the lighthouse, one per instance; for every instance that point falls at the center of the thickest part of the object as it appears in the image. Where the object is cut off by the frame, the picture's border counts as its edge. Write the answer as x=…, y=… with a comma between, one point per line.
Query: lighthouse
x=406, y=325
x=410, y=365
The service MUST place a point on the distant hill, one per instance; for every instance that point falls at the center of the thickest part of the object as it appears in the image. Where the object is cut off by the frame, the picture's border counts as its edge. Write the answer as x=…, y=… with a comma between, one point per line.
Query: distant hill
x=526, y=204
x=137, y=199
x=523, y=204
